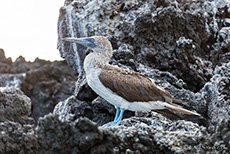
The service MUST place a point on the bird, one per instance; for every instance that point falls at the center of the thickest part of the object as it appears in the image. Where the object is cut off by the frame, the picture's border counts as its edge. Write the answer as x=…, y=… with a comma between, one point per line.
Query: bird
x=123, y=88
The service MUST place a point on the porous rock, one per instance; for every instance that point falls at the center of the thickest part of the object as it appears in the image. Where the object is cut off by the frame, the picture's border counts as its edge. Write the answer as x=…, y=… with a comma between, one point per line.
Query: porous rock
x=182, y=45
x=16, y=138
x=4, y=62
x=150, y=29
x=45, y=82
x=20, y=65
x=16, y=127
x=12, y=80
x=157, y=134
x=15, y=106
x=216, y=93
x=80, y=136
x=48, y=85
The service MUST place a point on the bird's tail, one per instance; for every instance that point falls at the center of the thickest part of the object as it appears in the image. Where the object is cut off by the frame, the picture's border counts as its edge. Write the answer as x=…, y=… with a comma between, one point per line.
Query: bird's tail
x=179, y=109
x=178, y=101
x=169, y=113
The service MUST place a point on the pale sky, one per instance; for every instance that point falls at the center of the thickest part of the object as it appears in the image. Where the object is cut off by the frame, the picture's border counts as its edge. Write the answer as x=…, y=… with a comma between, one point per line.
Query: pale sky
x=29, y=28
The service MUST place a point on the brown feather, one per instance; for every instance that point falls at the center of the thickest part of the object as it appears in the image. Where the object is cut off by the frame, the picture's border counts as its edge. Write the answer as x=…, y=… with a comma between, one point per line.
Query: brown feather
x=177, y=101
x=132, y=86
x=169, y=113
x=179, y=109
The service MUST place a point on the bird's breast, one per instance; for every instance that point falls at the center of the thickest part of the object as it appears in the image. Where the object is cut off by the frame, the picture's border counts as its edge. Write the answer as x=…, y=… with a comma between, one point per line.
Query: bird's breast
x=93, y=81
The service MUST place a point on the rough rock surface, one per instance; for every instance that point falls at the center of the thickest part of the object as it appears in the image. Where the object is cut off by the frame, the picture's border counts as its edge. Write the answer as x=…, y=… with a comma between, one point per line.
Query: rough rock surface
x=182, y=45
x=168, y=35
x=160, y=135
x=16, y=129
x=14, y=105
x=81, y=136
x=4, y=63
x=144, y=133
x=45, y=82
x=217, y=95
x=47, y=86
x=16, y=138
x=11, y=80
x=50, y=135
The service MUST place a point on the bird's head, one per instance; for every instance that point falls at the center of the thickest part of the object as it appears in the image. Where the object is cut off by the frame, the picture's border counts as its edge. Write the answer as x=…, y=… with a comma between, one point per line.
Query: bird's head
x=98, y=44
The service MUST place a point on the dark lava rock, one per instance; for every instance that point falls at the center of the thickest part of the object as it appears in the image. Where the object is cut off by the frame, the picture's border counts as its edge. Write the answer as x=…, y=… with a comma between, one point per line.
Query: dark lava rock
x=48, y=85
x=81, y=136
x=173, y=41
x=167, y=35
x=45, y=82
x=182, y=45
x=20, y=65
x=47, y=94
x=157, y=134
x=57, y=71
x=16, y=127
x=216, y=92
x=16, y=138
x=221, y=49
x=4, y=63
x=18, y=135
x=14, y=105
x=12, y=80
x=221, y=137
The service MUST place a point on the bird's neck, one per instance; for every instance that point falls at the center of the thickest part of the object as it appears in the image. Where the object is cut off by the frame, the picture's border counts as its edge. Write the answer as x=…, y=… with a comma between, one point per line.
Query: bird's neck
x=95, y=60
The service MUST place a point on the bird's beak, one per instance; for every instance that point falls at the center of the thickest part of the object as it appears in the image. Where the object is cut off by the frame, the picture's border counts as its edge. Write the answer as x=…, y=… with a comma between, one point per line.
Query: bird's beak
x=87, y=42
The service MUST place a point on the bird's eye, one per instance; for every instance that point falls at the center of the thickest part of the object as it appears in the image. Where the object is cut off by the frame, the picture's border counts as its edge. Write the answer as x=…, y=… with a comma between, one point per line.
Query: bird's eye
x=92, y=40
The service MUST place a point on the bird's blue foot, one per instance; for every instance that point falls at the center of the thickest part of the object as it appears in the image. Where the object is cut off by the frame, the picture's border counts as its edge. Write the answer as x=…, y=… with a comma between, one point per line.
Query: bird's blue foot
x=117, y=120
x=111, y=124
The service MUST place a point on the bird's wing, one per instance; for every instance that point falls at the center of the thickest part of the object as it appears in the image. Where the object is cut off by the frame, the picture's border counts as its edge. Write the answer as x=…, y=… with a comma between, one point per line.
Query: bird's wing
x=132, y=86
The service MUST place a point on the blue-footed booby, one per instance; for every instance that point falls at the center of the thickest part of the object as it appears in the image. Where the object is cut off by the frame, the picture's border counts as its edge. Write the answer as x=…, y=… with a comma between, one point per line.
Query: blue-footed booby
x=125, y=89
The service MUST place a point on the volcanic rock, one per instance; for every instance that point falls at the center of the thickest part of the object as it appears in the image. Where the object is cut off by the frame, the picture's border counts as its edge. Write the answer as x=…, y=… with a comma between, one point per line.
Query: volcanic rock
x=182, y=45
x=81, y=136
x=14, y=105
x=48, y=85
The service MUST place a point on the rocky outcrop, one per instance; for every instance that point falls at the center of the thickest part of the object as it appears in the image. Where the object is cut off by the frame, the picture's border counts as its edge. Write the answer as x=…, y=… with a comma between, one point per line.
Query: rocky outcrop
x=48, y=85
x=5, y=63
x=82, y=136
x=161, y=135
x=142, y=133
x=16, y=127
x=14, y=105
x=20, y=65
x=45, y=82
x=18, y=134
x=216, y=93
x=16, y=138
x=168, y=35
x=182, y=45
